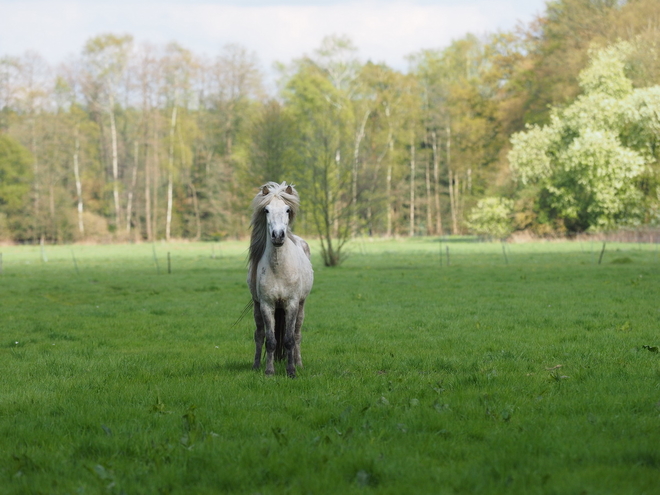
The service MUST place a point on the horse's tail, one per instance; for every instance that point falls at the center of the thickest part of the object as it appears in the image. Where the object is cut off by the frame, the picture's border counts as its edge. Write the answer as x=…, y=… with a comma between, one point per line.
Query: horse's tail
x=280, y=330
x=248, y=307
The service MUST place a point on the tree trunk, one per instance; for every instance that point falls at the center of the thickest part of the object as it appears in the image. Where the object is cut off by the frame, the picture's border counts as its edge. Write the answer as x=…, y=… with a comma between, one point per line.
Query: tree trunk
x=115, y=163
x=53, y=219
x=412, y=186
x=147, y=194
x=198, y=221
x=436, y=185
x=388, y=192
x=452, y=189
x=38, y=227
x=155, y=180
x=429, y=210
x=129, y=202
x=170, y=178
x=76, y=173
x=356, y=157
x=452, y=202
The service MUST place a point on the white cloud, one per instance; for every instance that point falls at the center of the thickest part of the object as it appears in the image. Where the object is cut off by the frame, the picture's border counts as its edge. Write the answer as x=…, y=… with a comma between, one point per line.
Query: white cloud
x=384, y=31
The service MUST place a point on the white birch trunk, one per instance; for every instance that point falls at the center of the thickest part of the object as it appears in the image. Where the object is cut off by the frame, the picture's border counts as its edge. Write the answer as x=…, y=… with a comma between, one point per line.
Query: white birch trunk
x=170, y=169
x=356, y=161
x=452, y=189
x=147, y=194
x=115, y=162
x=436, y=185
x=76, y=173
x=388, y=182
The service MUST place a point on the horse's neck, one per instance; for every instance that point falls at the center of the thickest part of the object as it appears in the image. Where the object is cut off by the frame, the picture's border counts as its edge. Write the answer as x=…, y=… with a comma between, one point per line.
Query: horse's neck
x=280, y=257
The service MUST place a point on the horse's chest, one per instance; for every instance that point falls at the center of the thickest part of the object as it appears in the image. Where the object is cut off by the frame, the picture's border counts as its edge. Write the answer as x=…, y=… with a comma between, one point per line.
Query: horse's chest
x=281, y=282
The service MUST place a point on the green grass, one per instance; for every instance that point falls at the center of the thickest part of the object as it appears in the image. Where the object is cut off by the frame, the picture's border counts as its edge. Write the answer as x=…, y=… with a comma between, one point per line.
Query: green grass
x=480, y=377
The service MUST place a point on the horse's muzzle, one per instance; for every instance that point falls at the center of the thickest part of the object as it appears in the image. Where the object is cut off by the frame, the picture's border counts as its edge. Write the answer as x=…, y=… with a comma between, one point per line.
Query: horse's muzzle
x=278, y=238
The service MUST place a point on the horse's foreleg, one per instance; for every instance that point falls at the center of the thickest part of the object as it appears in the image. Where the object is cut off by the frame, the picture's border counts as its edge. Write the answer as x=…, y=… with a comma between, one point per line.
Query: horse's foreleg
x=268, y=316
x=259, y=335
x=290, y=338
x=298, y=335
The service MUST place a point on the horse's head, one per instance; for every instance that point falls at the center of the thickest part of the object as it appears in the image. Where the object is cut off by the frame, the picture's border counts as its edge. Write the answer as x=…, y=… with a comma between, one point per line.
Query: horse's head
x=278, y=214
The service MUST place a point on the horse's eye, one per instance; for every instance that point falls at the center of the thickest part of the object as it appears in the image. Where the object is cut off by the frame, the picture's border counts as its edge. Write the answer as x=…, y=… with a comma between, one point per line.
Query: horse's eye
x=266, y=210
x=288, y=210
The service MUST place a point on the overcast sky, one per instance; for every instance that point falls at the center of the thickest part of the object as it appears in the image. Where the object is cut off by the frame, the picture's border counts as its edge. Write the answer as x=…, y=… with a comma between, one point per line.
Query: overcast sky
x=276, y=30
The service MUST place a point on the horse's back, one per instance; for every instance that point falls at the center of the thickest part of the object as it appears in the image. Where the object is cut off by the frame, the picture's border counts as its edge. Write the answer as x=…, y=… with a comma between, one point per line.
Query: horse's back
x=303, y=245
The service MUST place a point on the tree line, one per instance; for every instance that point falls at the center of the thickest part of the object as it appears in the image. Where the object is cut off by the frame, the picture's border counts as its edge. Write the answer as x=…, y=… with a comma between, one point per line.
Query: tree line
x=551, y=128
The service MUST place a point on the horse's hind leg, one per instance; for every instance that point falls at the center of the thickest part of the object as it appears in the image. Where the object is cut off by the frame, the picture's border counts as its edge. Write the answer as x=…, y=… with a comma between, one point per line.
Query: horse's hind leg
x=259, y=335
x=298, y=334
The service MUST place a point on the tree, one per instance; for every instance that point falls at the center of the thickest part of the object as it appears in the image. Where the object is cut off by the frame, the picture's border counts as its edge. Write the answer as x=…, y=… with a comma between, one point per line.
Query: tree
x=586, y=162
x=491, y=217
x=15, y=182
x=106, y=59
x=321, y=165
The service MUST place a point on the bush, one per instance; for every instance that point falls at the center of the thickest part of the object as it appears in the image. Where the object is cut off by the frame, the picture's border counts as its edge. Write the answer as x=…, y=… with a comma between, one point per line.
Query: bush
x=492, y=217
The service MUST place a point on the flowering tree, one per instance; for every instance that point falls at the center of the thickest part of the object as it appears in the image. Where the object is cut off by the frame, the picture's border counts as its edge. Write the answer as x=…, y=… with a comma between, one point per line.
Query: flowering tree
x=589, y=161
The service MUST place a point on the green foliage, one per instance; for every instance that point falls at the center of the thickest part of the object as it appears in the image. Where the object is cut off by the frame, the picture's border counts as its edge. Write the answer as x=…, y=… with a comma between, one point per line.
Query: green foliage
x=584, y=159
x=322, y=112
x=491, y=217
x=15, y=181
x=121, y=380
x=374, y=150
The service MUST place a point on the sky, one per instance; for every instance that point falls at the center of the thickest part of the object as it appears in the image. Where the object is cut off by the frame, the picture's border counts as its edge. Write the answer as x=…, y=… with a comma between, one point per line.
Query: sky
x=275, y=30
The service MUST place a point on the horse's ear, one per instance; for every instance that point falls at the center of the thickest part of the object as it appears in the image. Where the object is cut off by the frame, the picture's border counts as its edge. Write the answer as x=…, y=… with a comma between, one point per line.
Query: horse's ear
x=289, y=190
x=265, y=191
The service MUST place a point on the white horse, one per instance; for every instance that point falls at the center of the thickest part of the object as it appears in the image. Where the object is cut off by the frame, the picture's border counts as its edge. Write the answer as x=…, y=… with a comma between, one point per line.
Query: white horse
x=280, y=276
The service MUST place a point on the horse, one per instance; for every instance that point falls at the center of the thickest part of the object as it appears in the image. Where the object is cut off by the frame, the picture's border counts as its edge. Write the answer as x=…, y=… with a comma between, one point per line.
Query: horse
x=280, y=276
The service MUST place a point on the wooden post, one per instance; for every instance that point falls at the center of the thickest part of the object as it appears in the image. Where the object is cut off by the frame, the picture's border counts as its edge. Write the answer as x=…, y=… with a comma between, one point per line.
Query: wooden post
x=440, y=241
x=169, y=263
x=506, y=260
x=153, y=247
x=602, y=251
x=75, y=264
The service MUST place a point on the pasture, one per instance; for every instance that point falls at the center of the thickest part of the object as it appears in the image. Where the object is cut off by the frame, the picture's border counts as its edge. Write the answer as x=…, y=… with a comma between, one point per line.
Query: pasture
x=537, y=376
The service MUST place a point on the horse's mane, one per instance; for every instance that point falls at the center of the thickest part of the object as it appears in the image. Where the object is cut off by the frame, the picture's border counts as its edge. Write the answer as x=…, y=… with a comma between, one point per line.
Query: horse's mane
x=259, y=236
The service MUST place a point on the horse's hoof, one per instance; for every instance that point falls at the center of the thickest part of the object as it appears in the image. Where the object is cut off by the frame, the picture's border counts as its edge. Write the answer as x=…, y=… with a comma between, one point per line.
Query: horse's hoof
x=255, y=366
x=269, y=372
x=291, y=373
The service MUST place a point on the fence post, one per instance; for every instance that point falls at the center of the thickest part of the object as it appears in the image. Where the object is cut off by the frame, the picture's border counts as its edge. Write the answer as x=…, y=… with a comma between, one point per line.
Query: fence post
x=75, y=264
x=602, y=251
x=153, y=248
x=506, y=260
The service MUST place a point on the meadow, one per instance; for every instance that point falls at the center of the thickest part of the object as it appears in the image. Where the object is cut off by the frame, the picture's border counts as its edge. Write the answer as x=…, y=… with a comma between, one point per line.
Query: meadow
x=535, y=374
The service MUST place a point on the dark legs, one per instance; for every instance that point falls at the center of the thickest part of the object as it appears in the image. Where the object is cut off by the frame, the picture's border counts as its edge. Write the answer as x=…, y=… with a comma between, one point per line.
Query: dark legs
x=290, y=338
x=264, y=318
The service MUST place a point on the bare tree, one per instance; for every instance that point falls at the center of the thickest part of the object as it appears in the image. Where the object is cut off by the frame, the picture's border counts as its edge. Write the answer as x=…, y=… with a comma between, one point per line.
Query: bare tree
x=105, y=60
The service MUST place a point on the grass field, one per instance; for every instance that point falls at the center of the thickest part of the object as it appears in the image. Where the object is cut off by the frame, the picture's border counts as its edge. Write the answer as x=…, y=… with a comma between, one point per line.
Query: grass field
x=537, y=376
